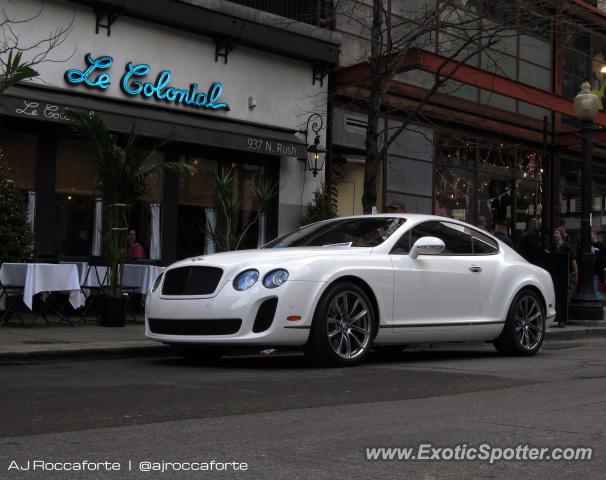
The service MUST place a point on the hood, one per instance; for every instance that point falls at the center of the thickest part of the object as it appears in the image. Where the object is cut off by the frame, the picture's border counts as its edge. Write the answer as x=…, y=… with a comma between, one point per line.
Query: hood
x=233, y=262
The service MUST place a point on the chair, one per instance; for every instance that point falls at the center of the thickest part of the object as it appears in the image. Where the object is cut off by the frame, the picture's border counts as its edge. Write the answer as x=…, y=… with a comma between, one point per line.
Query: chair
x=7, y=291
x=92, y=285
x=131, y=292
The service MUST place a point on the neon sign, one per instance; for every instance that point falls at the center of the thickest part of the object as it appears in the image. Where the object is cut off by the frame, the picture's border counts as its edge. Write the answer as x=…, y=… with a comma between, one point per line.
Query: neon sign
x=133, y=83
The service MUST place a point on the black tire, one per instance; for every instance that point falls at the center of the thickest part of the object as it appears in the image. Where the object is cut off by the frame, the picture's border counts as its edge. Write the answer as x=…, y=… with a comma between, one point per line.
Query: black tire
x=524, y=329
x=357, y=334
x=199, y=354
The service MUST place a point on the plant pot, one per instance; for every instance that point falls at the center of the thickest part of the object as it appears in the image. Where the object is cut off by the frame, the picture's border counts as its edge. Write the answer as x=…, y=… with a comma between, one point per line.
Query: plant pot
x=113, y=311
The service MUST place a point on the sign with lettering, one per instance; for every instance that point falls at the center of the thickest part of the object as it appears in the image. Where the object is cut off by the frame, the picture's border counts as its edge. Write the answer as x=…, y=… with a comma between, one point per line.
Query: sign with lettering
x=133, y=83
x=274, y=147
x=39, y=110
x=49, y=111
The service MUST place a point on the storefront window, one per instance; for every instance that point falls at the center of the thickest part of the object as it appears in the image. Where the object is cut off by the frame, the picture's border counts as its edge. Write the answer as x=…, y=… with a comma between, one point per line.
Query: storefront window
x=154, y=183
x=454, y=193
x=75, y=188
x=140, y=218
x=570, y=197
x=196, y=205
x=200, y=208
x=19, y=153
x=502, y=183
x=496, y=159
x=495, y=200
x=248, y=202
x=529, y=205
x=584, y=59
x=457, y=152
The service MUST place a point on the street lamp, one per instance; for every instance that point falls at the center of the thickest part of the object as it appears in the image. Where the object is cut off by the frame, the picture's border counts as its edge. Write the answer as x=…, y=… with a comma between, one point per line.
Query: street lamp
x=316, y=154
x=584, y=305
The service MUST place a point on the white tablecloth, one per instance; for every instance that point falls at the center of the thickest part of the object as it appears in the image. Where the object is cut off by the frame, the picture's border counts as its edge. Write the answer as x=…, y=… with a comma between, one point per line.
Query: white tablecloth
x=139, y=278
x=43, y=277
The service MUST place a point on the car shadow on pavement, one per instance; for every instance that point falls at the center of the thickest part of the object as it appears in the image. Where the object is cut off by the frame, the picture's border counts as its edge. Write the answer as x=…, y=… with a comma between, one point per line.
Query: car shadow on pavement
x=293, y=359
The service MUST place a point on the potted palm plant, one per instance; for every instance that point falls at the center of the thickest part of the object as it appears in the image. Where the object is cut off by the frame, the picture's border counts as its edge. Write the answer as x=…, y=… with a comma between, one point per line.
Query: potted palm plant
x=121, y=171
x=228, y=234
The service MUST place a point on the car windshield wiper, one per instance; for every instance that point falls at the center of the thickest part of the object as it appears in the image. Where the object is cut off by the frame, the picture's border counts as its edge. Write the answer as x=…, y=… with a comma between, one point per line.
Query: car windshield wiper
x=342, y=244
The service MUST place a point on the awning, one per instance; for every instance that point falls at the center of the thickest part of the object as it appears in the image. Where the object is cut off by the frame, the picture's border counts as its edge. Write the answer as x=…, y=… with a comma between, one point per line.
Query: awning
x=50, y=105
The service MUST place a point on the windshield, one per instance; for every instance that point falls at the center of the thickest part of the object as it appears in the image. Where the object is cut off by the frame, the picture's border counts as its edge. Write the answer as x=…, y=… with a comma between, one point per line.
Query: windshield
x=350, y=232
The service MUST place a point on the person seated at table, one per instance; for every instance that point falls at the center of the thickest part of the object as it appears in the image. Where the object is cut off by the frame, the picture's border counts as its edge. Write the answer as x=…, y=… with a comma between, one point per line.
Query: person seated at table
x=135, y=250
x=78, y=245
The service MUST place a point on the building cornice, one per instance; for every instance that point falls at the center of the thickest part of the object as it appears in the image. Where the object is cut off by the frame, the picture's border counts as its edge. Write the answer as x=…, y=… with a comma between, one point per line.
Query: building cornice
x=236, y=24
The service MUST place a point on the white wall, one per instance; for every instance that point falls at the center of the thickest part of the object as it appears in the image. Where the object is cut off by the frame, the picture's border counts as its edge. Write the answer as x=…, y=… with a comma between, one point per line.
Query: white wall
x=281, y=87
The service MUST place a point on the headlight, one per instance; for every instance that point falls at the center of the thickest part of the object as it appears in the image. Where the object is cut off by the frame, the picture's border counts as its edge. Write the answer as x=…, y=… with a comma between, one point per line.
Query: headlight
x=246, y=279
x=157, y=282
x=275, y=278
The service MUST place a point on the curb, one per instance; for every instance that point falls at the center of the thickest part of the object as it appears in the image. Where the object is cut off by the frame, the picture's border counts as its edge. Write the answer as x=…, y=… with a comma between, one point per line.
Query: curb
x=143, y=349
x=87, y=352
x=574, y=333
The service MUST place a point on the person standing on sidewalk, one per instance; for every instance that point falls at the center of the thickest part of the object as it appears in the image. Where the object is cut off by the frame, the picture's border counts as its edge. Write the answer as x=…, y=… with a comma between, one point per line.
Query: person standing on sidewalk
x=530, y=246
x=599, y=251
x=561, y=245
x=500, y=231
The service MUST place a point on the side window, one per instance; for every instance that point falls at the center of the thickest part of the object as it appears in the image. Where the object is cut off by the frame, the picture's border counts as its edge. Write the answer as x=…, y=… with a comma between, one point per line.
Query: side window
x=426, y=229
x=408, y=239
x=483, y=244
x=456, y=238
x=403, y=245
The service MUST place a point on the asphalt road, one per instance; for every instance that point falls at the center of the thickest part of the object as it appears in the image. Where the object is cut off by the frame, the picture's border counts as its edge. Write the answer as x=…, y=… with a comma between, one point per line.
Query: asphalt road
x=285, y=419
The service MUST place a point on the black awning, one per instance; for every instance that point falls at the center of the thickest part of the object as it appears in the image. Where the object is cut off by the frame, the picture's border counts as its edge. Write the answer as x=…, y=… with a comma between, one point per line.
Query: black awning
x=181, y=126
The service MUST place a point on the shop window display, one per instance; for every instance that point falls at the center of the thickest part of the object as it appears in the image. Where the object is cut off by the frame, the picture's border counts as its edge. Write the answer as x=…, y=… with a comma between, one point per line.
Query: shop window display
x=500, y=182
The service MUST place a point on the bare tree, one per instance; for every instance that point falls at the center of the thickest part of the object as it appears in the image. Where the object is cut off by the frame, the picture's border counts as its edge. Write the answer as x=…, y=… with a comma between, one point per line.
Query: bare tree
x=457, y=34
x=19, y=54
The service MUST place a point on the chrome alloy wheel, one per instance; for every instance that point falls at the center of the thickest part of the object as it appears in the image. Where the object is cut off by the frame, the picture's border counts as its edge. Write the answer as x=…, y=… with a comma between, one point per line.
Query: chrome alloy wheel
x=529, y=322
x=349, y=325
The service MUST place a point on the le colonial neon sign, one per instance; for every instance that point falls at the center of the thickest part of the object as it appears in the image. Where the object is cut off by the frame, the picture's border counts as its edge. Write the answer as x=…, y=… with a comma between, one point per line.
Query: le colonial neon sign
x=133, y=84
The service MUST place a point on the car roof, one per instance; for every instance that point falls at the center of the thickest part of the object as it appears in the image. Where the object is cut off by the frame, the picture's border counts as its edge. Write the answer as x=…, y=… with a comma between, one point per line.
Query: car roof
x=415, y=218
x=408, y=216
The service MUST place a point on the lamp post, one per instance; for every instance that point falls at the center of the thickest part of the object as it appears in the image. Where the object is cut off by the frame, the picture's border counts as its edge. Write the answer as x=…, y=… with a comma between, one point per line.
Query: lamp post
x=584, y=305
x=315, y=153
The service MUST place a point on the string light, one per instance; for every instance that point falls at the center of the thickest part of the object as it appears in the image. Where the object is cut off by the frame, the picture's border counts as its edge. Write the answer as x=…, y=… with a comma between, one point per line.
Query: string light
x=492, y=157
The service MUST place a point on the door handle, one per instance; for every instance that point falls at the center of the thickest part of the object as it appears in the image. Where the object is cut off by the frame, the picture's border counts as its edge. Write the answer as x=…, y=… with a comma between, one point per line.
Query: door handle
x=475, y=269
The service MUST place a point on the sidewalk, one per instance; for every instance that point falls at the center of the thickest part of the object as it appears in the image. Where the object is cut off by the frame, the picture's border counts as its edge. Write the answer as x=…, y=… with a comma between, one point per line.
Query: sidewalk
x=64, y=341
x=18, y=344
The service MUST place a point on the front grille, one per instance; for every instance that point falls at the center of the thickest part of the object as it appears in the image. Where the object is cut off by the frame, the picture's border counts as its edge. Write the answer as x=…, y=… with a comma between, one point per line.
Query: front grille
x=265, y=315
x=191, y=281
x=206, y=326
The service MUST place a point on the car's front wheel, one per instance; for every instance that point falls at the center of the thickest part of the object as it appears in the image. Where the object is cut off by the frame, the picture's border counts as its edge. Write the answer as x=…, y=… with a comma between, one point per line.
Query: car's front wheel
x=524, y=329
x=344, y=326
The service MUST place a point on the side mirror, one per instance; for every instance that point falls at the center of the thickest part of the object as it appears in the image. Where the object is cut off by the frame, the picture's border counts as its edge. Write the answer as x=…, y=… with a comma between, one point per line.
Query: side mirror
x=426, y=246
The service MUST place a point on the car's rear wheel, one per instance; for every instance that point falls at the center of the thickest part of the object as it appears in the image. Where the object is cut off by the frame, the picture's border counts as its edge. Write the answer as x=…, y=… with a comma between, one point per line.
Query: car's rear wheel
x=199, y=353
x=524, y=329
x=344, y=326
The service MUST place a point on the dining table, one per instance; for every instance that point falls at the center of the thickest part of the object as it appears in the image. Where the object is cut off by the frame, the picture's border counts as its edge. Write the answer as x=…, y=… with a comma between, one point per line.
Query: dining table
x=50, y=279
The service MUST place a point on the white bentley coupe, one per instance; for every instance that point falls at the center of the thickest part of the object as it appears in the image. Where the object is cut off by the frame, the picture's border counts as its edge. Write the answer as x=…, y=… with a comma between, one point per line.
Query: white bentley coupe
x=340, y=287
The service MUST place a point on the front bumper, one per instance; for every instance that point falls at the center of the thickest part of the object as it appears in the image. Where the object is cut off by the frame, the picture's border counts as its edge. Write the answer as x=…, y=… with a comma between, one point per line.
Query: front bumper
x=294, y=298
x=550, y=319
